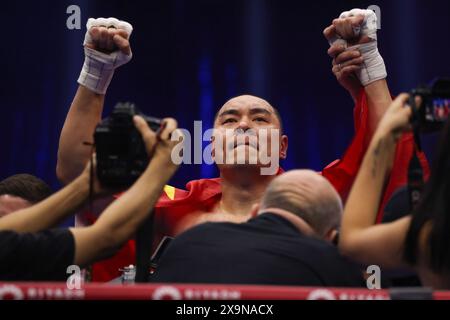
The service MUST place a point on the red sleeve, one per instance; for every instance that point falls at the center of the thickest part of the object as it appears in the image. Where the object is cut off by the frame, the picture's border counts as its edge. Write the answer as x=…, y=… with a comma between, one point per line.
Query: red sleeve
x=341, y=173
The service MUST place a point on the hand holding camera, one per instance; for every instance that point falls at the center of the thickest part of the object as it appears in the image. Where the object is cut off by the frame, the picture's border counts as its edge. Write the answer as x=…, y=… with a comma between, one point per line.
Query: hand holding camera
x=397, y=118
x=158, y=144
x=425, y=109
x=127, y=140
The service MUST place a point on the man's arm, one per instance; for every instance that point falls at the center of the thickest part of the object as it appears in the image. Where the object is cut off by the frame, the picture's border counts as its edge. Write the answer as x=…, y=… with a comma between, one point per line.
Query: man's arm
x=122, y=218
x=378, y=99
x=360, y=238
x=357, y=63
x=84, y=115
x=106, y=48
x=51, y=211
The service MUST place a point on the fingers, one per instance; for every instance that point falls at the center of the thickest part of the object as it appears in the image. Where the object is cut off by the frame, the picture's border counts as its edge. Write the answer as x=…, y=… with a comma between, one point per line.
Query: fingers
x=342, y=66
x=397, y=118
x=99, y=36
x=343, y=28
x=95, y=33
x=340, y=49
x=357, y=20
x=148, y=136
x=110, y=46
x=336, y=49
x=348, y=28
x=108, y=39
x=329, y=32
x=399, y=105
x=346, y=59
x=122, y=43
x=418, y=101
x=400, y=101
x=122, y=33
x=406, y=112
x=170, y=125
x=102, y=39
x=347, y=56
x=404, y=116
x=344, y=72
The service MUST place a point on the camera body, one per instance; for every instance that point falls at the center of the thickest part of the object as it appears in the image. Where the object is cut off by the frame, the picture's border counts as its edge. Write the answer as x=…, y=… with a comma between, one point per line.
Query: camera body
x=430, y=117
x=121, y=154
x=435, y=109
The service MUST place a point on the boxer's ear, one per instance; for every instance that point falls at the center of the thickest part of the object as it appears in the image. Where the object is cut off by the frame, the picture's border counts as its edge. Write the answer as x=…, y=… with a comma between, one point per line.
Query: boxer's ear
x=254, y=210
x=283, y=147
x=332, y=236
x=213, y=149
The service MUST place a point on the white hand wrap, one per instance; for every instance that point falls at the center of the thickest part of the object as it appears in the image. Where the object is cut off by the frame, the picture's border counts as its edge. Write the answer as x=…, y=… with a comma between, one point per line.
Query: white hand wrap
x=373, y=67
x=368, y=27
x=98, y=67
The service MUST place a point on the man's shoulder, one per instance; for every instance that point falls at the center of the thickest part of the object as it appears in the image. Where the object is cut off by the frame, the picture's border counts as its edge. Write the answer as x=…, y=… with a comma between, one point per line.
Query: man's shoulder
x=327, y=259
x=318, y=248
x=53, y=249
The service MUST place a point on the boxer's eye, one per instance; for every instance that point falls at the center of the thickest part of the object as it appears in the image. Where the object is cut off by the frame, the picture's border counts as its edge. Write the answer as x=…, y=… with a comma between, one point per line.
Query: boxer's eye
x=111, y=27
x=229, y=120
x=260, y=119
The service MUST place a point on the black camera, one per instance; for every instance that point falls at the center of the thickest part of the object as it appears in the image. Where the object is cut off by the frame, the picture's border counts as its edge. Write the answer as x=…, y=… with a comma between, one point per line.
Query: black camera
x=121, y=155
x=434, y=112
x=430, y=117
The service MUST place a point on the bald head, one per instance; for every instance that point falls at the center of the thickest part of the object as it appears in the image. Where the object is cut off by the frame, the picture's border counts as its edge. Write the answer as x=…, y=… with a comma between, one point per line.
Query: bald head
x=238, y=104
x=308, y=195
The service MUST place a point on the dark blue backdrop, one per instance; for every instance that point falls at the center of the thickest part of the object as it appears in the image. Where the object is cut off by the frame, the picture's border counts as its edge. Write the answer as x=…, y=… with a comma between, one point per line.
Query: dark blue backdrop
x=190, y=56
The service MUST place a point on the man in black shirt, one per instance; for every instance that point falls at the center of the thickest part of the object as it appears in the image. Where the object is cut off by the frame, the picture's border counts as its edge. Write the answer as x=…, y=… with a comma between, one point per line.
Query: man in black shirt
x=288, y=243
x=36, y=256
x=28, y=253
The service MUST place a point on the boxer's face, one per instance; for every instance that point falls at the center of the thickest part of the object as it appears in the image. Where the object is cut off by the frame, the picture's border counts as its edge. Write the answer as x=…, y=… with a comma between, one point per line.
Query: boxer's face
x=9, y=204
x=248, y=127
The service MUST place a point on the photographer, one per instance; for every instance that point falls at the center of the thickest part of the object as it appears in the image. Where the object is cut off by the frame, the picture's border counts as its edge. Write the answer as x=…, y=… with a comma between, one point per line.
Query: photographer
x=28, y=253
x=419, y=241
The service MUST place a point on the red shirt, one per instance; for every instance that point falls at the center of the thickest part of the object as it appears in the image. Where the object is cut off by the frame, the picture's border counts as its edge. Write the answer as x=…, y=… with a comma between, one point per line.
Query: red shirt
x=203, y=195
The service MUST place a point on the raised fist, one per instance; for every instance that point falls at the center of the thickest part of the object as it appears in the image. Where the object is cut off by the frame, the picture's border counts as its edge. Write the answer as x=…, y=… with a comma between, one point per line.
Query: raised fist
x=353, y=47
x=106, y=47
x=108, y=35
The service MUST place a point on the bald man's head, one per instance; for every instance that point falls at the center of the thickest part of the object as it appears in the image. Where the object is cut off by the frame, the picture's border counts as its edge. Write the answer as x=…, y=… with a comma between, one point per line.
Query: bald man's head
x=308, y=195
x=247, y=101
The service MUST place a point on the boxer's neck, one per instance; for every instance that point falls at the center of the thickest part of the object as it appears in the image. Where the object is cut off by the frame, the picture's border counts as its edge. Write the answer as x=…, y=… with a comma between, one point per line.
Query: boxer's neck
x=241, y=189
